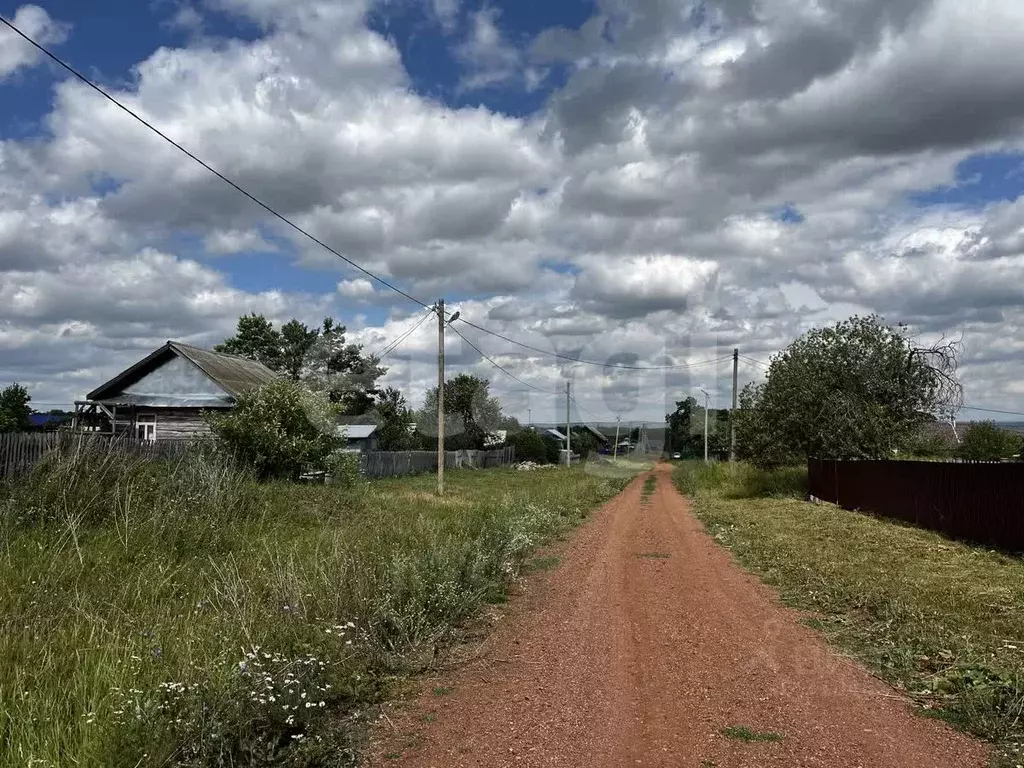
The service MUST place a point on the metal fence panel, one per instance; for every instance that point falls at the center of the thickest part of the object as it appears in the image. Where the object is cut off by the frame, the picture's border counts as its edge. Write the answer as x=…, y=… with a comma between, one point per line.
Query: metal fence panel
x=976, y=501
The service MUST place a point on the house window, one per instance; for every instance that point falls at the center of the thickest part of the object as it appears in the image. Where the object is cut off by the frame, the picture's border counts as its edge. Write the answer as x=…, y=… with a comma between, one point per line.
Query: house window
x=145, y=428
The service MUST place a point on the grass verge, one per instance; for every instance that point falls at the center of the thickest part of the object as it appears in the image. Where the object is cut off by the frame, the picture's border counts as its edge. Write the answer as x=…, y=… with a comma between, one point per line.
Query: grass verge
x=941, y=620
x=184, y=614
x=743, y=733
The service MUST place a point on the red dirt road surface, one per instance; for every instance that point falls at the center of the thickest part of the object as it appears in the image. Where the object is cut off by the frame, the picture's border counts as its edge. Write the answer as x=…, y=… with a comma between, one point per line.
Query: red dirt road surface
x=641, y=648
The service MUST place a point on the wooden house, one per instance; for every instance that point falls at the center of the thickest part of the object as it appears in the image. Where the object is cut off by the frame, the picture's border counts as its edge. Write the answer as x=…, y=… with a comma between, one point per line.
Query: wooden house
x=166, y=395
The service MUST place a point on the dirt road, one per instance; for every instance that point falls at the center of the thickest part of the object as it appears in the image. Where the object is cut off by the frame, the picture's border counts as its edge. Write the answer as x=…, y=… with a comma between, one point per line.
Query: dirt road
x=644, y=647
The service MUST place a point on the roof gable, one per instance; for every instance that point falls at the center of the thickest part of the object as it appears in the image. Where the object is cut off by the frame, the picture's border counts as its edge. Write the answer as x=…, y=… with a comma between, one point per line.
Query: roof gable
x=182, y=375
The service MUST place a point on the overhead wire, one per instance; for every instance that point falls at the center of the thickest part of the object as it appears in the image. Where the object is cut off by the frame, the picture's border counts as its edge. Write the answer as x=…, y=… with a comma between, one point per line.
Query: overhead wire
x=206, y=165
x=991, y=410
x=755, y=362
x=569, y=358
x=395, y=343
x=382, y=281
x=579, y=407
x=500, y=367
x=265, y=206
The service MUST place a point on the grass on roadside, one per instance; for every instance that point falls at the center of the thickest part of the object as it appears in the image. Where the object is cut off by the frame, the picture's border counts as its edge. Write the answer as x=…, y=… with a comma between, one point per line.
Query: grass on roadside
x=156, y=614
x=650, y=486
x=941, y=620
x=743, y=733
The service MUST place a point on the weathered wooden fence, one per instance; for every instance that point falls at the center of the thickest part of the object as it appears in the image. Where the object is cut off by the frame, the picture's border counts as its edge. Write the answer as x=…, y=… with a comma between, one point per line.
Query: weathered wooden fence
x=982, y=502
x=399, y=463
x=20, y=451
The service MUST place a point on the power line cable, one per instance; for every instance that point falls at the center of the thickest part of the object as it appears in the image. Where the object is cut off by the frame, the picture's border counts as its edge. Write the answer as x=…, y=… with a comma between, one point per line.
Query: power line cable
x=579, y=407
x=755, y=362
x=499, y=367
x=591, y=362
x=394, y=344
x=206, y=165
x=991, y=410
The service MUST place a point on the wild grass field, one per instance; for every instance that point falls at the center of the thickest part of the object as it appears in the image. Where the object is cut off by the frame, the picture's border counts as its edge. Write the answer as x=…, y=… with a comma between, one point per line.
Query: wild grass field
x=939, y=619
x=184, y=614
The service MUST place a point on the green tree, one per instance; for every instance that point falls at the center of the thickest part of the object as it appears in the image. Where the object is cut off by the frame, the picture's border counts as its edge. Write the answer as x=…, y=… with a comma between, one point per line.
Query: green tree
x=280, y=430
x=394, y=419
x=15, y=409
x=320, y=358
x=683, y=433
x=341, y=370
x=553, y=449
x=257, y=339
x=529, y=446
x=471, y=413
x=858, y=389
x=583, y=443
x=296, y=342
x=985, y=441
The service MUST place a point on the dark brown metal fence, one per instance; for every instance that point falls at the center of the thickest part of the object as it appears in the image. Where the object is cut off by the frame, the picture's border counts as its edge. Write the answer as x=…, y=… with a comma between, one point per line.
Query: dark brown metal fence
x=981, y=502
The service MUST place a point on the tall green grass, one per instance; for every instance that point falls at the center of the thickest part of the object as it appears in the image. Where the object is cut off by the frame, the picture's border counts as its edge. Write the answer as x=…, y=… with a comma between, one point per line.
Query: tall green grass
x=740, y=480
x=184, y=614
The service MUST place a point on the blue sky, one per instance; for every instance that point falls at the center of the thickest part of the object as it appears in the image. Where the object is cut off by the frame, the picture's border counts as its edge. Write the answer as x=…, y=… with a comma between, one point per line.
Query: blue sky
x=108, y=40
x=664, y=190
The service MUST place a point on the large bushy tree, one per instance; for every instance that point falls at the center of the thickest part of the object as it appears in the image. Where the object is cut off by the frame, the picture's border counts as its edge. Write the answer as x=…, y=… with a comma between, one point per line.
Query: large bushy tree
x=15, y=409
x=857, y=389
x=471, y=413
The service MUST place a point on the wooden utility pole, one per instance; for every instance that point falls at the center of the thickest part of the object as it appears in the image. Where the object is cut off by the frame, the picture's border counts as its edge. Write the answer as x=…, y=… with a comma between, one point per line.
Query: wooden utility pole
x=440, y=397
x=568, y=426
x=735, y=395
x=615, y=449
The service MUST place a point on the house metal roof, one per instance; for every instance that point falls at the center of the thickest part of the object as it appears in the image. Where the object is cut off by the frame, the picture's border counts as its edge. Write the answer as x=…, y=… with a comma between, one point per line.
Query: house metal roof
x=231, y=373
x=358, y=431
x=555, y=433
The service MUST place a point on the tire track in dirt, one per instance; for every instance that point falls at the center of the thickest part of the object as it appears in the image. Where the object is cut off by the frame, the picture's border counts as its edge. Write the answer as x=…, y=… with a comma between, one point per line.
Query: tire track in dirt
x=641, y=648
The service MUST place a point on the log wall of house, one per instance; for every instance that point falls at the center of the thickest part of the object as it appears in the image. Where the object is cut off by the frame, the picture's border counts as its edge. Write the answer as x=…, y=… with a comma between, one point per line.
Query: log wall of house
x=177, y=423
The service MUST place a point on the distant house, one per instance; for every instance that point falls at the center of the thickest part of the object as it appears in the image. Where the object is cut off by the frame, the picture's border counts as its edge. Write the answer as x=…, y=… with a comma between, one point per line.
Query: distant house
x=554, y=433
x=165, y=395
x=598, y=435
x=359, y=438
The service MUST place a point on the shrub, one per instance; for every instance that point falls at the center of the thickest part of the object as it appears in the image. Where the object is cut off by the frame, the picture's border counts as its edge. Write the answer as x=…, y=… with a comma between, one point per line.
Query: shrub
x=552, y=450
x=984, y=441
x=529, y=446
x=343, y=469
x=280, y=430
x=584, y=444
